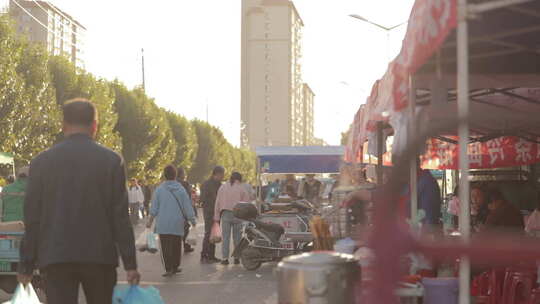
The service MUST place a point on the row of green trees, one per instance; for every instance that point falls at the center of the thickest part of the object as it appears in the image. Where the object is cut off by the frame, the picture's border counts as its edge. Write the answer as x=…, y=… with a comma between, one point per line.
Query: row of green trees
x=33, y=86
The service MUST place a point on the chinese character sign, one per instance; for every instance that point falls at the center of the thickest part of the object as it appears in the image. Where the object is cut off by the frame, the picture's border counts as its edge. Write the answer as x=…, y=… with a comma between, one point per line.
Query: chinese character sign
x=495, y=153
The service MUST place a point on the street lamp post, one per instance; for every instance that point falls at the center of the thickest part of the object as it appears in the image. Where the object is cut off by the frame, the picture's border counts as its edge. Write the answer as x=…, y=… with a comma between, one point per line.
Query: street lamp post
x=387, y=29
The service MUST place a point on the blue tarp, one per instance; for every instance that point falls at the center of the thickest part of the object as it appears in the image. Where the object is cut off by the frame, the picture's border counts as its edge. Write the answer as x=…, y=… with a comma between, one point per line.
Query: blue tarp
x=314, y=159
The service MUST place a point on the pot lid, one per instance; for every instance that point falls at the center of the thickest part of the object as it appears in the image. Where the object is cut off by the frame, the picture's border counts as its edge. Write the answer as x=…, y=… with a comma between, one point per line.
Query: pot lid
x=320, y=258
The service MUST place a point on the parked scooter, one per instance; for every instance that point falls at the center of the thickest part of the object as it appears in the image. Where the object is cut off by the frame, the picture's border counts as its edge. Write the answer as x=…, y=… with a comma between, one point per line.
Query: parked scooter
x=265, y=242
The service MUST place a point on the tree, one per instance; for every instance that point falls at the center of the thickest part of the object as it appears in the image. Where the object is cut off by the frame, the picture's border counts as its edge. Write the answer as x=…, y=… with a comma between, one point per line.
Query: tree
x=28, y=113
x=70, y=83
x=205, y=159
x=146, y=136
x=185, y=138
x=345, y=137
x=166, y=153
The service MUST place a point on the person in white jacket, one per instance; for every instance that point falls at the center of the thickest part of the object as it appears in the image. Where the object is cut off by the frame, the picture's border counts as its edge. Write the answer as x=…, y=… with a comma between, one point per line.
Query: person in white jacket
x=136, y=198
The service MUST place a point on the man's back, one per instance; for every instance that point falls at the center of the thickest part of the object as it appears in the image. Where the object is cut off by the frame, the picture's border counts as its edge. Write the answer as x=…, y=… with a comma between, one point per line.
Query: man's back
x=209, y=191
x=76, y=206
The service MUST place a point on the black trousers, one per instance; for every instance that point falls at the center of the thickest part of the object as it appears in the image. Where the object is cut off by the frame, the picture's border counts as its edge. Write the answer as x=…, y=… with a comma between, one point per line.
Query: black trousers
x=62, y=283
x=171, y=251
x=209, y=249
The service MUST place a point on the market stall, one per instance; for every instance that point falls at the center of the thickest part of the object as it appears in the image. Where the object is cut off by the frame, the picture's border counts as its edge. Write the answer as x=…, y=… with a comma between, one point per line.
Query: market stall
x=299, y=160
x=473, y=90
x=296, y=160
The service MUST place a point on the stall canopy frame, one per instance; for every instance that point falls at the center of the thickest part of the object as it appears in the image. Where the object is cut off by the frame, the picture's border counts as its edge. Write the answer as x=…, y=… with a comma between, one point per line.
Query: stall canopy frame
x=300, y=160
x=495, y=50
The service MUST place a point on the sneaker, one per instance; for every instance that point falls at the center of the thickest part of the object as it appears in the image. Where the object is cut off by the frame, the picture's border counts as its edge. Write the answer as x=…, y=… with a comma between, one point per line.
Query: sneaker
x=214, y=260
x=168, y=274
x=205, y=260
x=236, y=261
x=188, y=248
x=177, y=270
x=225, y=262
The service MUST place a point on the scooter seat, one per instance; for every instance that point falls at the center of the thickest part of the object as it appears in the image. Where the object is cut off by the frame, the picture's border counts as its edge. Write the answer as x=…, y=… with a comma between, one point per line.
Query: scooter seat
x=274, y=231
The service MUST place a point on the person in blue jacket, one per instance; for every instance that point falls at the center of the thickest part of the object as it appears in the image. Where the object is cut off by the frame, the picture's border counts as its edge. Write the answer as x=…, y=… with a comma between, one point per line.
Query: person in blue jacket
x=171, y=207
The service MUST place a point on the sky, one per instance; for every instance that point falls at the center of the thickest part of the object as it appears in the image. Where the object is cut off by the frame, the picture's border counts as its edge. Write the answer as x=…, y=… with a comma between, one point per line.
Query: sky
x=192, y=53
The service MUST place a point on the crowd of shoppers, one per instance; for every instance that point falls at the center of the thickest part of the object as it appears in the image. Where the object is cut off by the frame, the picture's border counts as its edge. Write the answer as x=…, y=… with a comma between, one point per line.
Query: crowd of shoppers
x=75, y=194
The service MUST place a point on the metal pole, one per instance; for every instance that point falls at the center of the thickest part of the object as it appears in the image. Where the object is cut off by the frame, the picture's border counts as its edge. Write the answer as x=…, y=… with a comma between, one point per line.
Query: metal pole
x=413, y=173
x=14, y=170
x=380, y=154
x=463, y=115
x=143, y=76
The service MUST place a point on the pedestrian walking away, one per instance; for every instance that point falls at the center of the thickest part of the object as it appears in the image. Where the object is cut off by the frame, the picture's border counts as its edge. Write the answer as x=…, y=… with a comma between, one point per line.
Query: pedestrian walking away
x=147, y=193
x=172, y=209
x=182, y=180
x=209, y=190
x=136, y=198
x=228, y=196
x=76, y=215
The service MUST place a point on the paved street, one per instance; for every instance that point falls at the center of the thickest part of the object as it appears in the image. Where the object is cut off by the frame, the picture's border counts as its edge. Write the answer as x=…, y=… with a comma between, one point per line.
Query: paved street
x=204, y=284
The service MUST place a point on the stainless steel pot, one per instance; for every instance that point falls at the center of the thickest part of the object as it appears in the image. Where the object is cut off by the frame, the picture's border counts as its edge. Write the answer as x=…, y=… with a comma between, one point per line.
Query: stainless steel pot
x=318, y=278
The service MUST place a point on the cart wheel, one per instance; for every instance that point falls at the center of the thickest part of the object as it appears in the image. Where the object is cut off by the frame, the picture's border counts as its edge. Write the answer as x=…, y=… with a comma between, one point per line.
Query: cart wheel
x=251, y=258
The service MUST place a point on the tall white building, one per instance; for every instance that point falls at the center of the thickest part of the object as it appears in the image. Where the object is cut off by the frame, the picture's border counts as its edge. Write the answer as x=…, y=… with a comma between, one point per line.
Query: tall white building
x=273, y=93
x=45, y=23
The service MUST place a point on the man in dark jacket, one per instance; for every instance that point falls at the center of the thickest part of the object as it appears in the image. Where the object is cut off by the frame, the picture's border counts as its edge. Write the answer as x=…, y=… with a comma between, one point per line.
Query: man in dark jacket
x=147, y=192
x=209, y=191
x=182, y=180
x=76, y=215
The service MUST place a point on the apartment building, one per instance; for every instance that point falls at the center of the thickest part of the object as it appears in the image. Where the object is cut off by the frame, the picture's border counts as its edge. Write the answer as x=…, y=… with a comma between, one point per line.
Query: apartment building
x=273, y=107
x=45, y=23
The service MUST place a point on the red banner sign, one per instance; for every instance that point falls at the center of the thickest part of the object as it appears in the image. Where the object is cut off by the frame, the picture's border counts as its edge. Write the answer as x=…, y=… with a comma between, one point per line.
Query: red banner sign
x=496, y=153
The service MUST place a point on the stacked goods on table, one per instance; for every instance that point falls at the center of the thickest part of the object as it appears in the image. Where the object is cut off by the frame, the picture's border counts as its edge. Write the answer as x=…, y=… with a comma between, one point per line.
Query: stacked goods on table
x=321, y=232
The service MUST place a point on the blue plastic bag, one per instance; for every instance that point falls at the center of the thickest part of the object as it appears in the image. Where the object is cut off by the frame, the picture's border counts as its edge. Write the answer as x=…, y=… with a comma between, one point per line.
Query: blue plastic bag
x=136, y=295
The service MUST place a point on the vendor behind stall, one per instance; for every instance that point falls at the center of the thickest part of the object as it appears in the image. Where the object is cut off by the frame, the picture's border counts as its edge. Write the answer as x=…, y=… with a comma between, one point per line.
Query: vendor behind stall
x=290, y=181
x=479, y=206
x=503, y=215
x=312, y=189
x=429, y=199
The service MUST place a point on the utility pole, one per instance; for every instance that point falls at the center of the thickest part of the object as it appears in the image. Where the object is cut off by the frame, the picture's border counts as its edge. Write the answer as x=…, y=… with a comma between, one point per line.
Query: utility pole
x=207, y=110
x=143, y=79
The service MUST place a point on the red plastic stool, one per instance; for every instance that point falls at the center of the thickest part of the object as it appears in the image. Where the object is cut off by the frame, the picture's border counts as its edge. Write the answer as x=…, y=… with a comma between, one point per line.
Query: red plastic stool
x=480, y=288
x=518, y=286
x=488, y=287
x=496, y=285
x=535, y=296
